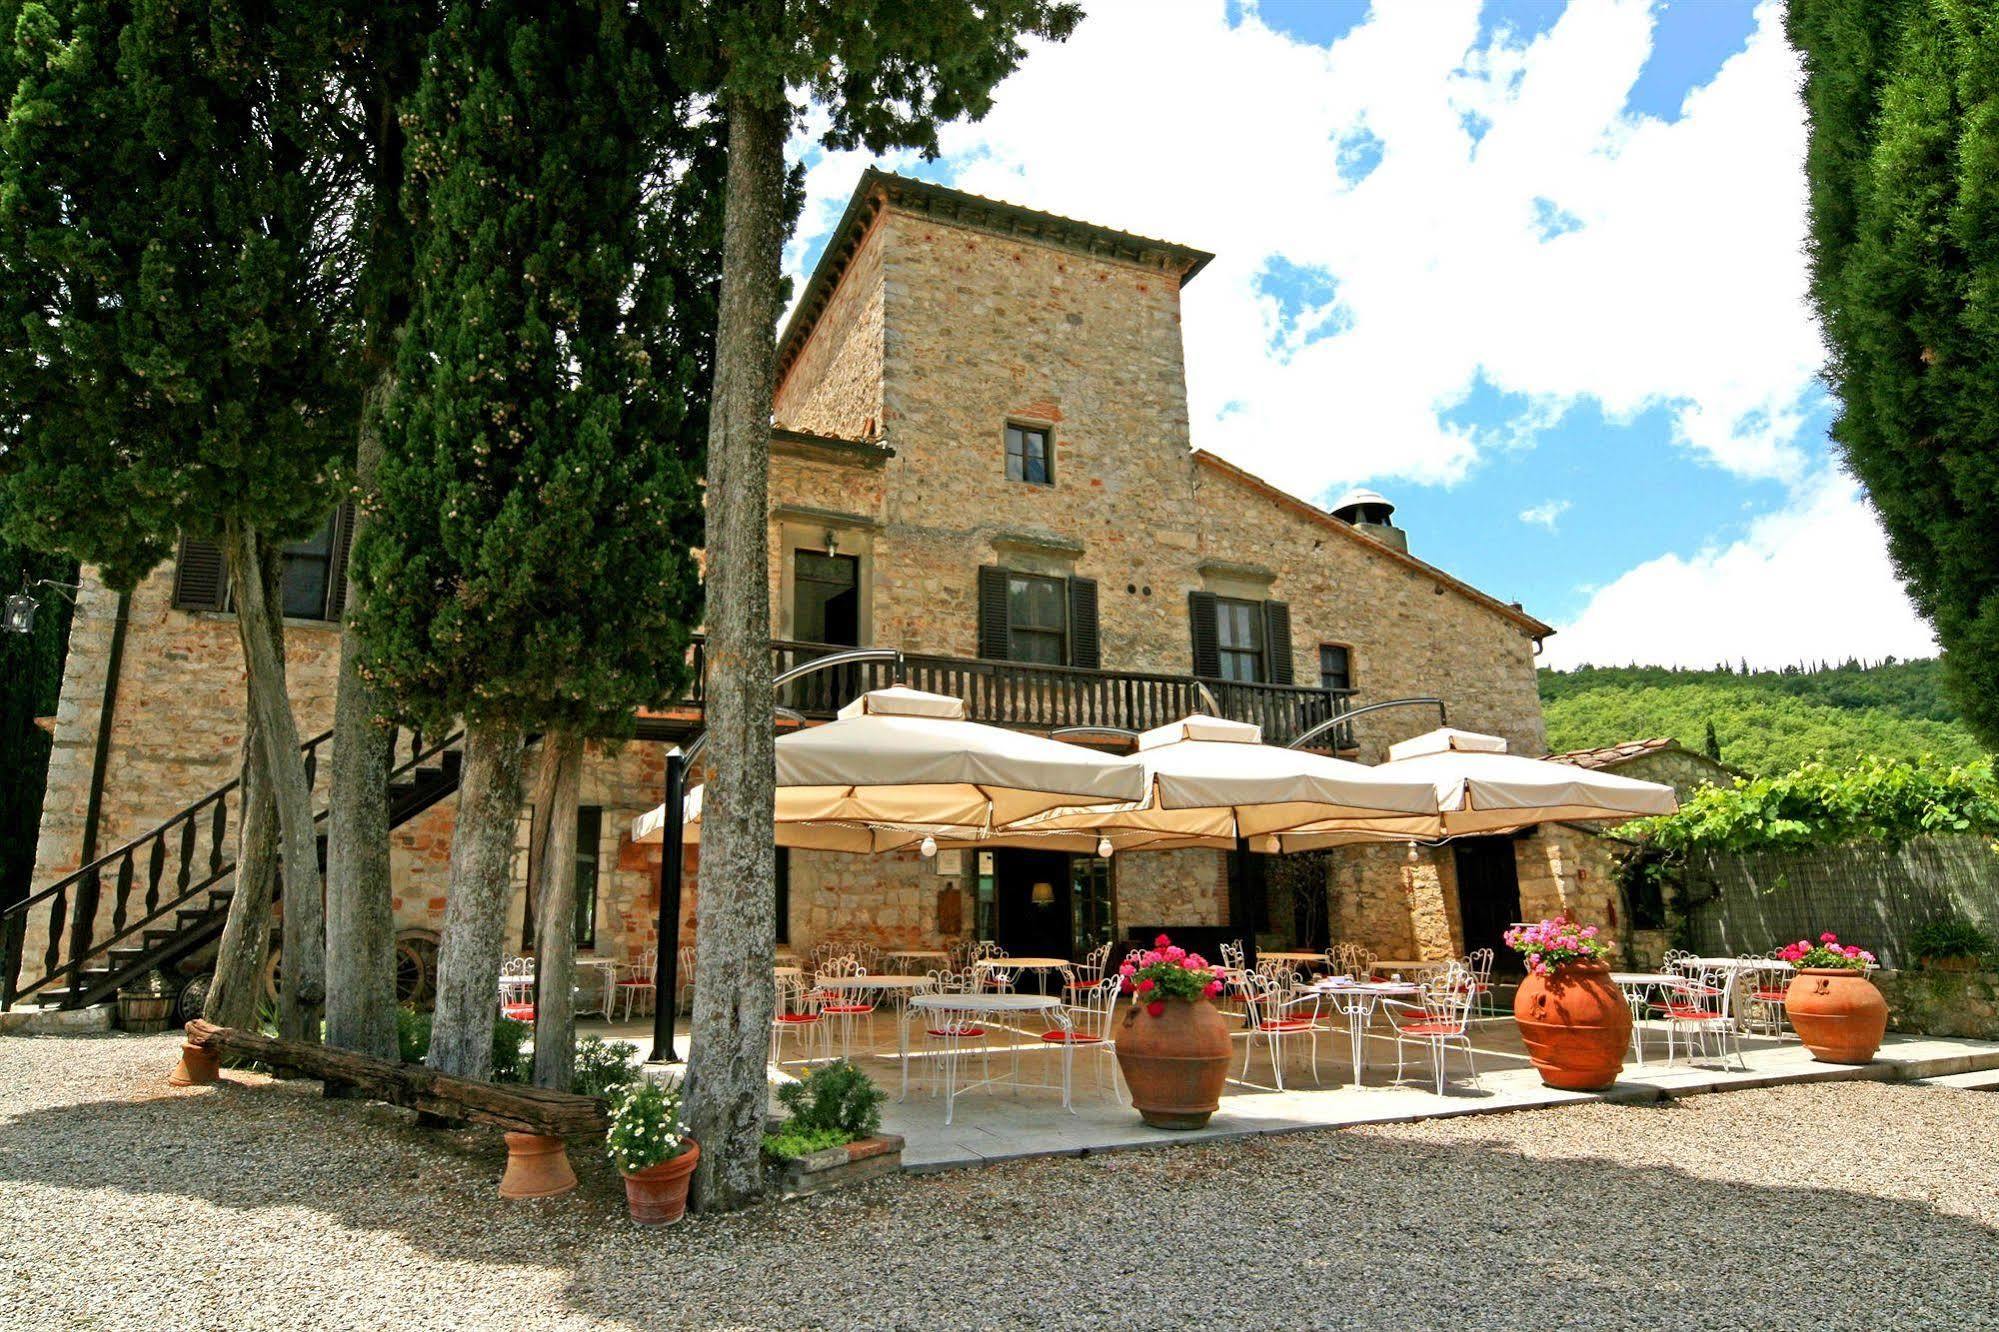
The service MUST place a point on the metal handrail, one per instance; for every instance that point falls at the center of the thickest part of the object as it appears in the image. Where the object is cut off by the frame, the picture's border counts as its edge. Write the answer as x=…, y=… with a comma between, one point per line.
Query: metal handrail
x=847, y=658
x=1346, y=718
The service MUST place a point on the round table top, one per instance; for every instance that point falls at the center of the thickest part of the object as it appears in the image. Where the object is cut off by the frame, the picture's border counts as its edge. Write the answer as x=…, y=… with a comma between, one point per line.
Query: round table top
x=868, y=981
x=917, y=952
x=986, y=1003
x=1645, y=978
x=1291, y=954
x=1366, y=987
x=1008, y=963
x=1408, y=963
x=1742, y=963
x=787, y=971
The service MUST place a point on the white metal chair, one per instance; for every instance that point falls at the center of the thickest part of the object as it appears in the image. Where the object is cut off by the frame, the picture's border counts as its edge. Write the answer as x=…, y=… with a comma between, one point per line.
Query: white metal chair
x=639, y=983
x=1444, y=1021
x=1701, y=1013
x=848, y=1005
x=517, y=989
x=948, y=1036
x=1352, y=960
x=1479, y=963
x=683, y=977
x=1763, y=1000
x=797, y=1017
x=1090, y=1025
x=1279, y=1015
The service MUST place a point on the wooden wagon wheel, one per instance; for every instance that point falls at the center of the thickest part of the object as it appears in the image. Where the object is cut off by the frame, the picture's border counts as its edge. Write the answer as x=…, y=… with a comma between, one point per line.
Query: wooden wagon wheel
x=416, y=968
x=273, y=972
x=192, y=997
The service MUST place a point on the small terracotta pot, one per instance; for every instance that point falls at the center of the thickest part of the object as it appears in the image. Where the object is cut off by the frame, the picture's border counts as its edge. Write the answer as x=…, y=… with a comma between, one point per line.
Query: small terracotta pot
x=1176, y=1064
x=1575, y=1025
x=1837, y=1013
x=657, y=1195
x=198, y=1067
x=537, y=1167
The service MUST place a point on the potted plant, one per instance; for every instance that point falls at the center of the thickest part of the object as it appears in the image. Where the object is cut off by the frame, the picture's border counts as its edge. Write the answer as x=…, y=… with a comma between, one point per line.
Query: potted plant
x=1950, y=944
x=1174, y=1045
x=657, y=1158
x=1574, y=1022
x=144, y=1006
x=1834, y=1008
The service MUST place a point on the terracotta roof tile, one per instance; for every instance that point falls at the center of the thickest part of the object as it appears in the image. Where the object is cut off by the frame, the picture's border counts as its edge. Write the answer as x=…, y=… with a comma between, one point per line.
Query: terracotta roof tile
x=1609, y=756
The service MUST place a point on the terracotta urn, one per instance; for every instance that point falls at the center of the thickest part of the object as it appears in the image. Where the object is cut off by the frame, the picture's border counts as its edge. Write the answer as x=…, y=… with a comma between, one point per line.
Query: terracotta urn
x=1575, y=1025
x=198, y=1067
x=1176, y=1063
x=537, y=1167
x=1837, y=1013
x=657, y=1195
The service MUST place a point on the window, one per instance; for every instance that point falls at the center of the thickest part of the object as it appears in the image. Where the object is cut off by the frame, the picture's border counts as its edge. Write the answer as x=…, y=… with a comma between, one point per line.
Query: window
x=826, y=599
x=1239, y=636
x=1037, y=619
x=1092, y=904
x=784, y=894
x=308, y=570
x=1028, y=457
x=1335, y=666
x=589, y=833
x=312, y=583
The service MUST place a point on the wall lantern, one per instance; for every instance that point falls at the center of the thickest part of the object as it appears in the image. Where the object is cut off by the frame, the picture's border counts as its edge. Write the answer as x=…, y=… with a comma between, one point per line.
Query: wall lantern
x=1043, y=894
x=832, y=542
x=21, y=606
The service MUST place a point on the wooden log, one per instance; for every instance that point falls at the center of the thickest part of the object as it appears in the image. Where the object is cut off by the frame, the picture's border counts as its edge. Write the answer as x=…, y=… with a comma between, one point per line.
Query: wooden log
x=521, y=1109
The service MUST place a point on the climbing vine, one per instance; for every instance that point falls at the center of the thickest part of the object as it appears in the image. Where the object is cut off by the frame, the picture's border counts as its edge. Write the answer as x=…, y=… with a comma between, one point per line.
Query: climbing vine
x=1818, y=805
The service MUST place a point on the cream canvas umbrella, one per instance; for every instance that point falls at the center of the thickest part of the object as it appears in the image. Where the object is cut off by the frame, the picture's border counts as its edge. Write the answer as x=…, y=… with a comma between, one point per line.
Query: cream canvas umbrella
x=1480, y=788
x=1213, y=781
x=912, y=762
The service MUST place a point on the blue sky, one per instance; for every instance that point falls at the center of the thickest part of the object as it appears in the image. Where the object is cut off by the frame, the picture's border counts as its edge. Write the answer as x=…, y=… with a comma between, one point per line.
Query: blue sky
x=1531, y=268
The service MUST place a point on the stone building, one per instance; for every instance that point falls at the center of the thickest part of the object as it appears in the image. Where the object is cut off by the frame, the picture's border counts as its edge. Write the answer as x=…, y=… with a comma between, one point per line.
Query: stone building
x=982, y=457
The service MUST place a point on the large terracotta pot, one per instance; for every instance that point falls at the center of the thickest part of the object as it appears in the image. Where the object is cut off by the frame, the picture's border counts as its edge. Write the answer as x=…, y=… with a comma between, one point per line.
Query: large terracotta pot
x=1175, y=1064
x=537, y=1167
x=1575, y=1025
x=1837, y=1013
x=657, y=1195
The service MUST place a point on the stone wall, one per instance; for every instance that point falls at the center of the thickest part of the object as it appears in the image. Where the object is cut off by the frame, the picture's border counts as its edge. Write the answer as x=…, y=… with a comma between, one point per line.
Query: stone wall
x=835, y=385
x=1942, y=1003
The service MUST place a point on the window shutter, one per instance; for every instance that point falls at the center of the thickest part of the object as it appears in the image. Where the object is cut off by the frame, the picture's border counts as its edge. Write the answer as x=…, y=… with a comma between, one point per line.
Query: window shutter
x=201, y=576
x=1084, y=648
x=992, y=613
x=1277, y=642
x=336, y=565
x=1207, y=642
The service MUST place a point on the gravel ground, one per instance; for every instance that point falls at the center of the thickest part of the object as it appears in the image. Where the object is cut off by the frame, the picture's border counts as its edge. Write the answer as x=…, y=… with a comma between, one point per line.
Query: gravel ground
x=127, y=1204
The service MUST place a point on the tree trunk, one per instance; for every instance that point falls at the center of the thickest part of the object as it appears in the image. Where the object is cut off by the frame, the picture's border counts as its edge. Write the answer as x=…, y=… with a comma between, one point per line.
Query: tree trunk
x=727, y=1080
x=360, y=911
x=475, y=907
x=553, y=881
x=237, y=989
x=260, y=626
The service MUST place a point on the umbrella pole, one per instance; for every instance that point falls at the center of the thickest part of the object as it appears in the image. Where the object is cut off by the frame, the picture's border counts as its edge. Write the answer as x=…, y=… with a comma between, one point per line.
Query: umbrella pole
x=666, y=974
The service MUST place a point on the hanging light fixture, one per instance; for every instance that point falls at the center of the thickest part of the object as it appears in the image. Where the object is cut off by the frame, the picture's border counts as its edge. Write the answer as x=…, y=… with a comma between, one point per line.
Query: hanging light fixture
x=832, y=542
x=1413, y=857
x=928, y=846
x=1104, y=847
x=1043, y=894
x=20, y=613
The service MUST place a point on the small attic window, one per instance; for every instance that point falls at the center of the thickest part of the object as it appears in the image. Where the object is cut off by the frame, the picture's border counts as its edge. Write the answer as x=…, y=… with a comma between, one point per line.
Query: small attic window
x=1029, y=456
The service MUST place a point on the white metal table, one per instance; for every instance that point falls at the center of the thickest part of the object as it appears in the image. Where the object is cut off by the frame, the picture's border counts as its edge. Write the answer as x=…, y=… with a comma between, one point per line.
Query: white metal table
x=953, y=1007
x=607, y=970
x=887, y=983
x=1357, y=1002
x=919, y=956
x=1060, y=965
x=1638, y=987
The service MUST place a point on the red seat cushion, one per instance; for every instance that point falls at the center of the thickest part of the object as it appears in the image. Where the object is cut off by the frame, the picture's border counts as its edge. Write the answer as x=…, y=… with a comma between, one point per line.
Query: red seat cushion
x=1433, y=1029
x=518, y=1012
x=1771, y=996
x=959, y=1031
x=1070, y=1038
x=1285, y=1024
x=1681, y=1013
x=848, y=1008
x=797, y=1017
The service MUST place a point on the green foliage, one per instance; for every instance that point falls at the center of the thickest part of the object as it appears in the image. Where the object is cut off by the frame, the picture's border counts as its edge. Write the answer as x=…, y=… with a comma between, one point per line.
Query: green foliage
x=835, y=1098
x=1949, y=938
x=172, y=355
x=789, y=1143
x=1764, y=721
x=1819, y=805
x=31, y=665
x=645, y=1127
x=531, y=560
x=603, y=1067
x=412, y=1035
x=1903, y=169
x=511, y=1062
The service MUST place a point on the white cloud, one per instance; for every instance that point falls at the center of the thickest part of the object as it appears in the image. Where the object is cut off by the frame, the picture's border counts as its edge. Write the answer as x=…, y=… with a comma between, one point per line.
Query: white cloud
x=1810, y=581
x=1545, y=513
x=1672, y=275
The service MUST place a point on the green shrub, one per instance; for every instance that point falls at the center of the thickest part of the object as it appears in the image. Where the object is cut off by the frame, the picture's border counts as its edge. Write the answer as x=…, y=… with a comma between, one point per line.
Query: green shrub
x=788, y=1143
x=412, y=1035
x=603, y=1067
x=839, y=1097
x=510, y=1038
x=1949, y=937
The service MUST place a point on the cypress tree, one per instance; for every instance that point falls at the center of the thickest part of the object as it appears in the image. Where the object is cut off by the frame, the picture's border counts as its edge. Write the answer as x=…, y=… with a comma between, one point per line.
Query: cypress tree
x=1903, y=168
x=529, y=566
x=887, y=76
x=169, y=363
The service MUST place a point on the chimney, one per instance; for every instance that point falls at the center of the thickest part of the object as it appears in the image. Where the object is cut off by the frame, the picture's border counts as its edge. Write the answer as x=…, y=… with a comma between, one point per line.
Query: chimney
x=1373, y=515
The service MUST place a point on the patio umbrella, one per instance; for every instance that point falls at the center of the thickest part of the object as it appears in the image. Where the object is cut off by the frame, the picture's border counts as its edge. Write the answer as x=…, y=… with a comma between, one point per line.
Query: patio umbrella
x=1481, y=788
x=911, y=759
x=1214, y=781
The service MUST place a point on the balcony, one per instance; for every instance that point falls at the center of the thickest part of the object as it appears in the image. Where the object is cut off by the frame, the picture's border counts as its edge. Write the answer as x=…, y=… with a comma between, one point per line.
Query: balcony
x=1035, y=697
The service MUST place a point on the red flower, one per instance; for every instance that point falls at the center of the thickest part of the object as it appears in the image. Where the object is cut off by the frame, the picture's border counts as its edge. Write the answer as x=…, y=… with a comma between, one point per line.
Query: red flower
x=1161, y=941
x=1157, y=1008
x=1145, y=985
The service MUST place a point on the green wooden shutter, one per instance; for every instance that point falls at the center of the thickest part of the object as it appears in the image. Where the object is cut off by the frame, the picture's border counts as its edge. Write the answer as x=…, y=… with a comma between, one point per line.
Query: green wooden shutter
x=1207, y=641
x=336, y=565
x=1277, y=642
x=201, y=576
x=992, y=613
x=1084, y=647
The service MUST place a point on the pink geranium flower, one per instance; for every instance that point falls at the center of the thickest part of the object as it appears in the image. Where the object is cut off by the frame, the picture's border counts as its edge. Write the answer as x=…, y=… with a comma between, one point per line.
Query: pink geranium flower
x=1157, y=1008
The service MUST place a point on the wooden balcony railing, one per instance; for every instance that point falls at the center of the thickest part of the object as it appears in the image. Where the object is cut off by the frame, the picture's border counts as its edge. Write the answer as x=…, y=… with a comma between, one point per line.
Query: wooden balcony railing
x=1024, y=694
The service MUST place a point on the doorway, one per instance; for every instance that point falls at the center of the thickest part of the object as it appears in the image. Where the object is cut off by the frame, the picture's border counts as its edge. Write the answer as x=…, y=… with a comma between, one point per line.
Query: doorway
x=1031, y=892
x=825, y=608
x=1489, y=897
